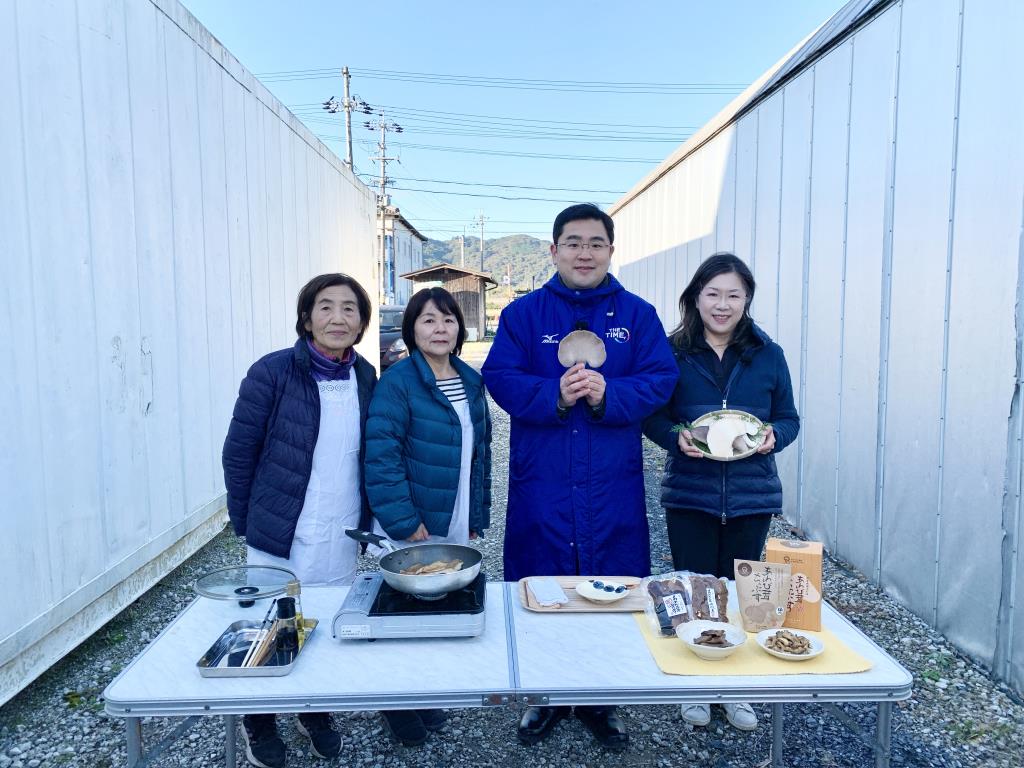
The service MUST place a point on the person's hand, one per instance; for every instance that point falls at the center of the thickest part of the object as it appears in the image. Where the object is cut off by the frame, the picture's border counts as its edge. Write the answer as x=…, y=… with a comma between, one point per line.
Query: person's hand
x=574, y=384
x=596, y=387
x=473, y=535
x=421, y=534
x=769, y=440
x=687, y=447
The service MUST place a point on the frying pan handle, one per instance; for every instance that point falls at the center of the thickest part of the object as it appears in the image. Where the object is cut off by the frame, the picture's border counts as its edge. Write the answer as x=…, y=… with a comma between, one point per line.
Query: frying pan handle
x=369, y=538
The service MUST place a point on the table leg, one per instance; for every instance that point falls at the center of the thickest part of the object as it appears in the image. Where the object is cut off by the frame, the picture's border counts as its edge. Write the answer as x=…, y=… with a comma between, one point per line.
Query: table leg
x=230, y=739
x=883, y=735
x=133, y=740
x=777, y=735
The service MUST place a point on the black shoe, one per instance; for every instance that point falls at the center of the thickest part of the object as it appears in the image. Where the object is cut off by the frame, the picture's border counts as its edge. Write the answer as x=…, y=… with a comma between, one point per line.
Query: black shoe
x=606, y=726
x=538, y=722
x=324, y=740
x=406, y=726
x=263, y=747
x=433, y=719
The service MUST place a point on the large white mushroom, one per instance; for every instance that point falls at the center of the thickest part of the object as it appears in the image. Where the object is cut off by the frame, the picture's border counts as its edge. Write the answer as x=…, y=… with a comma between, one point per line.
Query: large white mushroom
x=582, y=347
x=724, y=435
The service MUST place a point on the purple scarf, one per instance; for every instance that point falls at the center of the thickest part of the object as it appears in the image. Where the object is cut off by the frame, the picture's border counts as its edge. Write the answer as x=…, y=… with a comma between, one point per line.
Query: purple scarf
x=325, y=368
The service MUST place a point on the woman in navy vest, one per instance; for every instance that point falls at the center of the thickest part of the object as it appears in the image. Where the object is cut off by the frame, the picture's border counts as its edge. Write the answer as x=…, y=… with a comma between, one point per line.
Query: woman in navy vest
x=293, y=466
x=428, y=451
x=716, y=511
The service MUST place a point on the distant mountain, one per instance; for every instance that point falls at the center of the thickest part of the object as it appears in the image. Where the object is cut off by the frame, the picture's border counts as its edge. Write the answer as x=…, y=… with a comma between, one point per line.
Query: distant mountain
x=525, y=257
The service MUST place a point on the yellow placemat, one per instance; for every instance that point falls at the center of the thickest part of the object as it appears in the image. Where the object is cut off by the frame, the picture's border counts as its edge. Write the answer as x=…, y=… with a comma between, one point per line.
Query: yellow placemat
x=674, y=658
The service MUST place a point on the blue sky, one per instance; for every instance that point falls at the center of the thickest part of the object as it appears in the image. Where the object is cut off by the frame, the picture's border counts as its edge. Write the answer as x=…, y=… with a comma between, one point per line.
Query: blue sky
x=693, y=56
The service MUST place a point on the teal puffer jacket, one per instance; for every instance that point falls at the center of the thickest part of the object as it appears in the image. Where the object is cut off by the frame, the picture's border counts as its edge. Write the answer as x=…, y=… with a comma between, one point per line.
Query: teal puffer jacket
x=414, y=446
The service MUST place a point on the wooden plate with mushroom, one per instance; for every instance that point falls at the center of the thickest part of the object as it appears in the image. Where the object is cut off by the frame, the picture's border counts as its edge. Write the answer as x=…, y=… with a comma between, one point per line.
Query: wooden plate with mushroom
x=728, y=435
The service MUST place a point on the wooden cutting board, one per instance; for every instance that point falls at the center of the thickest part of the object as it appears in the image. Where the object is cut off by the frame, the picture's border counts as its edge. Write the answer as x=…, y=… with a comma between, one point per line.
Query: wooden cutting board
x=634, y=601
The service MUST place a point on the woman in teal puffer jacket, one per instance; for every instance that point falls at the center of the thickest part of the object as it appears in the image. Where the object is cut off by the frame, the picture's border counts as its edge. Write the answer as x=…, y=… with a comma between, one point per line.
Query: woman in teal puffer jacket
x=428, y=452
x=428, y=455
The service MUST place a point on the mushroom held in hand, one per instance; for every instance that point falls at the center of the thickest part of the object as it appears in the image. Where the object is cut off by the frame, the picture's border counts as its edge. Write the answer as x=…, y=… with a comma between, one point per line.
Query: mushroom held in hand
x=582, y=347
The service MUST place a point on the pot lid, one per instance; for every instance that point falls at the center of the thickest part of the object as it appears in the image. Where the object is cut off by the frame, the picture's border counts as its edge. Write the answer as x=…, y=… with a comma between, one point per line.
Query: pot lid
x=244, y=582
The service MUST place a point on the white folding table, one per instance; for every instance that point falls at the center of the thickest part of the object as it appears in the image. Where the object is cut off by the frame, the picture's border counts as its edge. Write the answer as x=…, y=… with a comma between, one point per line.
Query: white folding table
x=582, y=658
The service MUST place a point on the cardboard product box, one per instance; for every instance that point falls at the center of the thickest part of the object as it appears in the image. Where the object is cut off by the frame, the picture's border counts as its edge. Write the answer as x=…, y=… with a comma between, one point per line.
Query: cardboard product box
x=804, y=557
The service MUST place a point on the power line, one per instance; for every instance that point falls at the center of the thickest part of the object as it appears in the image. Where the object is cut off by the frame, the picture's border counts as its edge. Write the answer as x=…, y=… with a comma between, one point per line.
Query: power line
x=508, y=118
x=502, y=186
x=493, y=197
x=477, y=81
x=497, y=152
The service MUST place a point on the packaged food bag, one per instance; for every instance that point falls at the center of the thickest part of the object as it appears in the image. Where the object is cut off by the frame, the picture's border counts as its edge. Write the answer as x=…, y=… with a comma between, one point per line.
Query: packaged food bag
x=762, y=590
x=805, y=558
x=679, y=596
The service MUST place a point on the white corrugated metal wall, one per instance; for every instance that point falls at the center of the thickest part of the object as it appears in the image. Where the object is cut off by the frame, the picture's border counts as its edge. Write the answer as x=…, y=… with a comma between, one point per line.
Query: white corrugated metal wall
x=159, y=210
x=878, y=193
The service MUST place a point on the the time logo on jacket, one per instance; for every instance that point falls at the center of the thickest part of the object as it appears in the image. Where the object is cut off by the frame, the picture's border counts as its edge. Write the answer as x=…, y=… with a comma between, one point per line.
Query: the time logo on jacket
x=620, y=335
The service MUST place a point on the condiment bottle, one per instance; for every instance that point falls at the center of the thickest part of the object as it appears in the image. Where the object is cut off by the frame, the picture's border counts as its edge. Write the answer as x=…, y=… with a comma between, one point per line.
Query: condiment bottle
x=294, y=590
x=287, y=633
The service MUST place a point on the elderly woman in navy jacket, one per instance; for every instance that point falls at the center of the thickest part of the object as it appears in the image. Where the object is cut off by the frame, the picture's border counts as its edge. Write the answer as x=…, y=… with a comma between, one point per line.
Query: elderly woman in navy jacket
x=293, y=465
x=428, y=454
x=719, y=511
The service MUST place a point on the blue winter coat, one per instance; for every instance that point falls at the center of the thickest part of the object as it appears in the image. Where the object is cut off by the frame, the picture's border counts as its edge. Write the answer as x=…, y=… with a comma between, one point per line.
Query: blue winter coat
x=759, y=384
x=414, y=450
x=576, y=484
x=268, y=453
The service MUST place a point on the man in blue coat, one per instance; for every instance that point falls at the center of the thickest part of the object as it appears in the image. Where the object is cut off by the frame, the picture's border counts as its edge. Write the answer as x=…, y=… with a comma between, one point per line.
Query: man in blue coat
x=576, y=485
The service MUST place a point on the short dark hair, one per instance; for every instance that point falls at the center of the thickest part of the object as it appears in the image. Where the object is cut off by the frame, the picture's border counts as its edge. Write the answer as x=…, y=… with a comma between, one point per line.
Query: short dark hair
x=309, y=292
x=579, y=212
x=444, y=302
x=691, y=328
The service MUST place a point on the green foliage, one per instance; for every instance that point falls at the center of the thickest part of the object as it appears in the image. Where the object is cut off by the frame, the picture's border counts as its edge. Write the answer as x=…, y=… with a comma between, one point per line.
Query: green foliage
x=525, y=257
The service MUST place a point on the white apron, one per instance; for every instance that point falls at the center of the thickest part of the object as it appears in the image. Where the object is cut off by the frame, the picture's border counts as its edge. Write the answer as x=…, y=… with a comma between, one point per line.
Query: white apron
x=458, y=528
x=321, y=553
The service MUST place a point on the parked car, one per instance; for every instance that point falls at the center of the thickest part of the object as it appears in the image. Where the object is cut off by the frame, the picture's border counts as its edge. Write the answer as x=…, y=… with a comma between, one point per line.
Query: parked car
x=392, y=348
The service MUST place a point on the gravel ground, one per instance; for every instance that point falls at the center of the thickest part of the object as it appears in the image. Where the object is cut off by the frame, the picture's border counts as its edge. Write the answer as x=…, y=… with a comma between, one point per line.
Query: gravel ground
x=956, y=717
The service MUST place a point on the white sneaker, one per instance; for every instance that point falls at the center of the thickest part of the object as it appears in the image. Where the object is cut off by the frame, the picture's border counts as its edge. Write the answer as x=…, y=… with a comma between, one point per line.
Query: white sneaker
x=740, y=715
x=696, y=714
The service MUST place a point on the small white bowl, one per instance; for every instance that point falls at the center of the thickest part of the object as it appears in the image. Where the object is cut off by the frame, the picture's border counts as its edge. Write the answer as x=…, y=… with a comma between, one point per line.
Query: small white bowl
x=690, y=631
x=817, y=646
x=586, y=589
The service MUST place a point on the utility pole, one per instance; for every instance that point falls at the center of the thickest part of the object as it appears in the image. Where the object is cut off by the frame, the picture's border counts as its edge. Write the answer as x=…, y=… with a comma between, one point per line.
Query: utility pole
x=348, y=119
x=480, y=220
x=462, y=247
x=386, y=287
x=348, y=104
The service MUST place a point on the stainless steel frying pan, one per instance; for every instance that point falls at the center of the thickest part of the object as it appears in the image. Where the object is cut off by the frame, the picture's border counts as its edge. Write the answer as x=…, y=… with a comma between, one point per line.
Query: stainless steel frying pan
x=427, y=585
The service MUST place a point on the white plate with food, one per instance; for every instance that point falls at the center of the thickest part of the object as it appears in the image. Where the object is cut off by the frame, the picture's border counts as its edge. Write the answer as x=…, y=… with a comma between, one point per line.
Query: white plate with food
x=601, y=591
x=728, y=435
x=790, y=644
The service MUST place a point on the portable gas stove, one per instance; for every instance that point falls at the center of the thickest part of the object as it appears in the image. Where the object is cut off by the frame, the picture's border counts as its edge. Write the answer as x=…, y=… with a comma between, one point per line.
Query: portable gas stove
x=372, y=610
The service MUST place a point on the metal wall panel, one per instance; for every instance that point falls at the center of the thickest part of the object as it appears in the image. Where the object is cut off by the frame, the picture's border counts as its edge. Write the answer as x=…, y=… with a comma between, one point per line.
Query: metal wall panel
x=985, y=255
x=913, y=410
x=763, y=257
x=871, y=105
x=826, y=261
x=797, y=117
x=746, y=138
x=146, y=206
x=725, y=165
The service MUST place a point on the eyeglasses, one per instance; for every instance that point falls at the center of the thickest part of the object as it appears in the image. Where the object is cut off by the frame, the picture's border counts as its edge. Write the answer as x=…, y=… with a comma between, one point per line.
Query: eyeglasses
x=595, y=248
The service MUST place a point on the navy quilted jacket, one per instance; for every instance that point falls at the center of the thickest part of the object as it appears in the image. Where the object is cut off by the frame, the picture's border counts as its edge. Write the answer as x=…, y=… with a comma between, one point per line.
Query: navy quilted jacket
x=414, y=450
x=759, y=384
x=268, y=453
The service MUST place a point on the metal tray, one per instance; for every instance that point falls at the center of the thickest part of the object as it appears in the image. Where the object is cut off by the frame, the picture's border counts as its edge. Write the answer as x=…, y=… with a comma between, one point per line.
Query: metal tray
x=224, y=656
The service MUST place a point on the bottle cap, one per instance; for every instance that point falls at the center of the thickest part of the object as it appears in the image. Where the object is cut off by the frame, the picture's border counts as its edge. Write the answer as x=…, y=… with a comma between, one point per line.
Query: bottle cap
x=286, y=608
